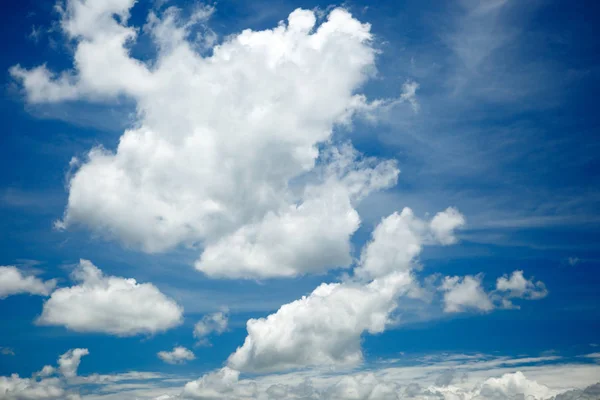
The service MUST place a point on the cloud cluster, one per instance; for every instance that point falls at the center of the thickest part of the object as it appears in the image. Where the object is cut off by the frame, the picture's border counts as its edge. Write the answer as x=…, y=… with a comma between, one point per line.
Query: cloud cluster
x=223, y=141
x=233, y=151
x=110, y=304
x=14, y=281
x=433, y=378
x=45, y=385
x=467, y=293
x=225, y=384
x=325, y=327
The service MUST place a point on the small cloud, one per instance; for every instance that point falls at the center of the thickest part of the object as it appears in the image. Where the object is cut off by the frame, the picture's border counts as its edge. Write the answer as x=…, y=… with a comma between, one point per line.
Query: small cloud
x=179, y=355
x=573, y=261
x=7, y=351
x=409, y=94
x=35, y=34
x=211, y=323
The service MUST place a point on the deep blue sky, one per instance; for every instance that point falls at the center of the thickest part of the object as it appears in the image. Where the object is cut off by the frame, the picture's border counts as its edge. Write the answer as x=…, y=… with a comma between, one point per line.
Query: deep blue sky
x=508, y=132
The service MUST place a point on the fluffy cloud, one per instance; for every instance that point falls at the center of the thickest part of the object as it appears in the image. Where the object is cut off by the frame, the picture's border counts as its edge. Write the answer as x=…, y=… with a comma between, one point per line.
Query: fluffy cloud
x=15, y=388
x=225, y=384
x=466, y=293
x=511, y=386
x=516, y=286
x=179, y=355
x=399, y=238
x=68, y=363
x=211, y=323
x=14, y=281
x=221, y=384
x=110, y=304
x=310, y=237
x=223, y=142
x=461, y=294
x=47, y=388
x=538, y=381
x=324, y=328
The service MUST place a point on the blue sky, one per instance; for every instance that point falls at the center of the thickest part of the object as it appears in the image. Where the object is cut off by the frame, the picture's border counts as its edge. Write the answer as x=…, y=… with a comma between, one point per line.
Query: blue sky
x=502, y=126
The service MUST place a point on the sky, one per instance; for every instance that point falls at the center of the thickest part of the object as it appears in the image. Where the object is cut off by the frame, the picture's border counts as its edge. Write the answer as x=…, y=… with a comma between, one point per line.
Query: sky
x=299, y=200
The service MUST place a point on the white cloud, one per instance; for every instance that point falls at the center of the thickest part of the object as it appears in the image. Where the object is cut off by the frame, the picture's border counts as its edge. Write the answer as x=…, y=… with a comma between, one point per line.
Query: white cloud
x=482, y=378
x=179, y=355
x=110, y=304
x=223, y=142
x=322, y=328
x=409, y=94
x=47, y=388
x=325, y=327
x=399, y=238
x=445, y=223
x=461, y=294
x=14, y=281
x=15, y=388
x=69, y=362
x=467, y=293
x=516, y=286
x=413, y=382
x=310, y=237
x=221, y=384
x=511, y=386
x=211, y=323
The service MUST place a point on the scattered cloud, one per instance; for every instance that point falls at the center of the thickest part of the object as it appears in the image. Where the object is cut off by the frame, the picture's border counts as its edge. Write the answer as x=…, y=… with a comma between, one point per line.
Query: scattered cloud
x=212, y=323
x=179, y=355
x=110, y=304
x=325, y=327
x=465, y=293
x=44, y=385
x=444, y=377
x=516, y=286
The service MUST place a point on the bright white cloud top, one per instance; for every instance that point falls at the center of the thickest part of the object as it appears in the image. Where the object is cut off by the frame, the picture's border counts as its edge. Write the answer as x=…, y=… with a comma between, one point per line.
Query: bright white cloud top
x=110, y=304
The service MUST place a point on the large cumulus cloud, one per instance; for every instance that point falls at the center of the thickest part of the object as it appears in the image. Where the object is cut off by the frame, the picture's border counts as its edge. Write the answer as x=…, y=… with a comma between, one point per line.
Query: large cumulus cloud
x=221, y=140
